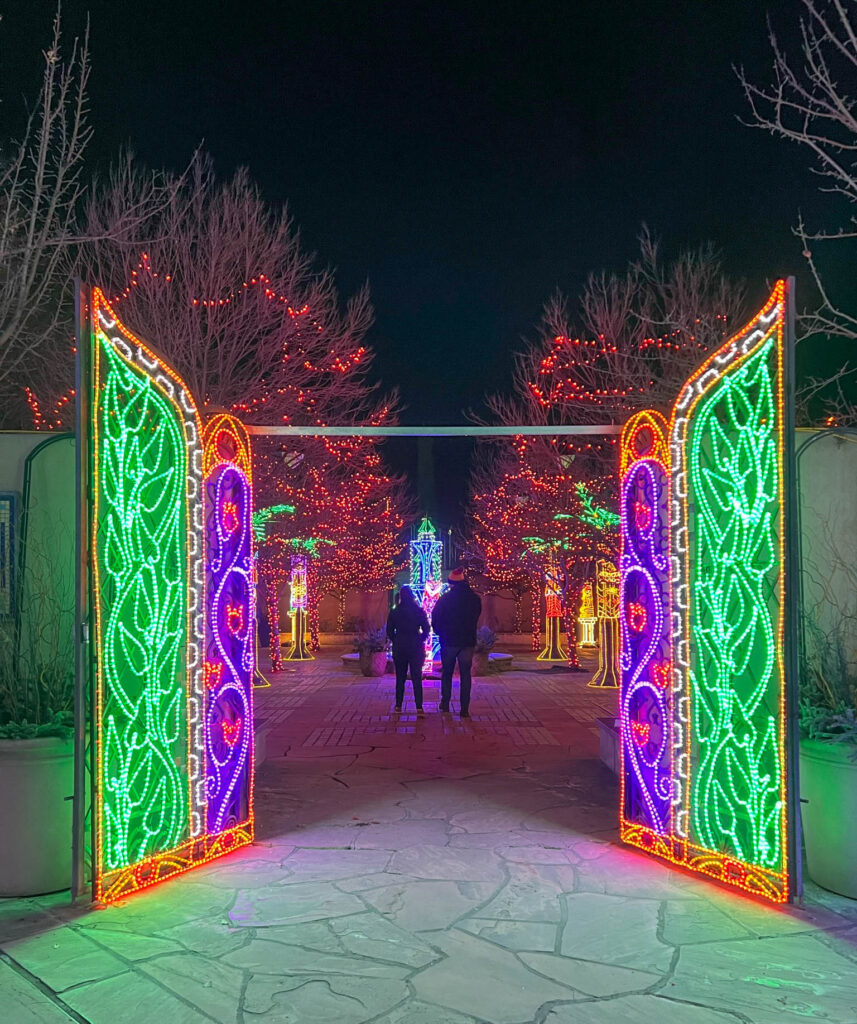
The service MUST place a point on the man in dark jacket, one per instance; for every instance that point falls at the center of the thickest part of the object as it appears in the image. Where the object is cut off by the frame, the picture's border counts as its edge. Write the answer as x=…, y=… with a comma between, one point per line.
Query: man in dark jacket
x=454, y=620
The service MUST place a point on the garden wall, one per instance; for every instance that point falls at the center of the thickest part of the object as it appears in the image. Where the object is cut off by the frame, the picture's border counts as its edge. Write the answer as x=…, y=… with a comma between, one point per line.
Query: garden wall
x=827, y=486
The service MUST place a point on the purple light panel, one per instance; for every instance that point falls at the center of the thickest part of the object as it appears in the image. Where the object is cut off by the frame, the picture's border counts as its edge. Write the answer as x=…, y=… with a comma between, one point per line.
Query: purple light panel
x=230, y=633
x=645, y=704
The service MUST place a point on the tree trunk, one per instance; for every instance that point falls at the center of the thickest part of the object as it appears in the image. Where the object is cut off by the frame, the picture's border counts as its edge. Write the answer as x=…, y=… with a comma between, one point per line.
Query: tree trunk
x=273, y=612
x=570, y=625
x=313, y=600
x=536, y=616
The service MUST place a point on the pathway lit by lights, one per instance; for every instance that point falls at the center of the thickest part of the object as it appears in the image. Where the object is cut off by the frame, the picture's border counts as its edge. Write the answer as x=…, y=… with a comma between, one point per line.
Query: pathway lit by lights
x=413, y=871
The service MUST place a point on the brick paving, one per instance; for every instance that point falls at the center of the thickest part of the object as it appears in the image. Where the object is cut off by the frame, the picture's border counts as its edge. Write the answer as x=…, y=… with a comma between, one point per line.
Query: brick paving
x=431, y=871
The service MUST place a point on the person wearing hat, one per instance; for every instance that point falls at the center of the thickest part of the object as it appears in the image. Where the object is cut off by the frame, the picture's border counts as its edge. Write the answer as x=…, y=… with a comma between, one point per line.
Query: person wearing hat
x=454, y=619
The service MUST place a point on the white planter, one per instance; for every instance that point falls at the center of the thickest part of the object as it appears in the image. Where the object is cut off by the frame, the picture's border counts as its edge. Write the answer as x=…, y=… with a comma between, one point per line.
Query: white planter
x=828, y=791
x=35, y=840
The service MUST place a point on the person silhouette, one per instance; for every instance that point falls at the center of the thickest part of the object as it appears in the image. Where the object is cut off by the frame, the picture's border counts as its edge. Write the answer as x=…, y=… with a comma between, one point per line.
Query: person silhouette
x=407, y=628
x=454, y=620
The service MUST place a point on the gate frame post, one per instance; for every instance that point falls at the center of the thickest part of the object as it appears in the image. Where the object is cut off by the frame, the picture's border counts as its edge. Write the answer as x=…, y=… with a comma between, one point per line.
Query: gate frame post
x=792, y=591
x=83, y=875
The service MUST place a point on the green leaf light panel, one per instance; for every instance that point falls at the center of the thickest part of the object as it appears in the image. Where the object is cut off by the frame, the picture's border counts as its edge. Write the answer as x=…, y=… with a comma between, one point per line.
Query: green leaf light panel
x=148, y=575
x=729, y=790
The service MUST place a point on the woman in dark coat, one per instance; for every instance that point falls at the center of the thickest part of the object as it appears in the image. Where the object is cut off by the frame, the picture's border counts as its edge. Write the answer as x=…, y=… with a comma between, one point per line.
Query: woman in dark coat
x=407, y=628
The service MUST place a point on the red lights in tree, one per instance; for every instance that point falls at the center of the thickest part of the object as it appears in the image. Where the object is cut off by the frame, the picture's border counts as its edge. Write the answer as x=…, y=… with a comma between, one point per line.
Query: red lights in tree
x=530, y=520
x=638, y=337
x=347, y=502
x=640, y=334
x=216, y=279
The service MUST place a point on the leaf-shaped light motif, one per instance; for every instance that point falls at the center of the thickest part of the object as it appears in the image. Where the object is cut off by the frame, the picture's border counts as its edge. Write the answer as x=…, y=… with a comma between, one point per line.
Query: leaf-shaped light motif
x=143, y=605
x=714, y=576
x=734, y=494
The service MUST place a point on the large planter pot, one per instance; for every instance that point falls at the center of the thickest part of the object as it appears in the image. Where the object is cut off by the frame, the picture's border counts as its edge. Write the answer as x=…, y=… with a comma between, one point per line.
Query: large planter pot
x=35, y=841
x=481, y=663
x=828, y=790
x=373, y=663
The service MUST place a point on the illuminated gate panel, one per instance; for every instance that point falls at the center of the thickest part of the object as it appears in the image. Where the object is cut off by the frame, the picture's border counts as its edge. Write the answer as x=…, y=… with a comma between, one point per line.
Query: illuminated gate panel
x=230, y=613
x=727, y=535
x=645, y=709
x=148, y=574
x=728, y=777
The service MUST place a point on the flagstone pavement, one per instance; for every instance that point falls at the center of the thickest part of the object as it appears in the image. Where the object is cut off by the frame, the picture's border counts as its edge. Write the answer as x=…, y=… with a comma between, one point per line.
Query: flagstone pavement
x=431, y=871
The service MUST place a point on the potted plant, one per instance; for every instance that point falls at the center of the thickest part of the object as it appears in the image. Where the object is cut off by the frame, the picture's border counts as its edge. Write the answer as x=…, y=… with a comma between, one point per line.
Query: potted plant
x=828, y=763
x=36, y=732
x=371, y=645
x=485, y=640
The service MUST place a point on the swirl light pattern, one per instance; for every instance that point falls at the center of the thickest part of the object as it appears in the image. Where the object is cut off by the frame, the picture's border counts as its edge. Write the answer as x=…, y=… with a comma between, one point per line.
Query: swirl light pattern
x=645, y=703
x=230, y=647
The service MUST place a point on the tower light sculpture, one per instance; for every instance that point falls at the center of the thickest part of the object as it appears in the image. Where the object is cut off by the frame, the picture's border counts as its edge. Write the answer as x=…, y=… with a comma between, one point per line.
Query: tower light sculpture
x=587, y=618
x=298, y=595
x=554, y=649
x=607, y=593
x=426, y=582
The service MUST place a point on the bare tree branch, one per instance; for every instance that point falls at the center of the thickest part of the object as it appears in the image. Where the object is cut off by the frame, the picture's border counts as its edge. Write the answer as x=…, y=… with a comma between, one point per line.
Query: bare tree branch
x=41, y=184
x=807, y=103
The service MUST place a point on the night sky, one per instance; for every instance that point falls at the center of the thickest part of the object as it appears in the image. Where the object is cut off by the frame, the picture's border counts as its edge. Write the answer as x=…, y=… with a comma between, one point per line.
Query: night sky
x=465, y=158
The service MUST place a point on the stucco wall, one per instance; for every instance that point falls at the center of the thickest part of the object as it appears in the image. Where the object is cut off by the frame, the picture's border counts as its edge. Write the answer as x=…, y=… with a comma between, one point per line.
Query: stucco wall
x=827, y=467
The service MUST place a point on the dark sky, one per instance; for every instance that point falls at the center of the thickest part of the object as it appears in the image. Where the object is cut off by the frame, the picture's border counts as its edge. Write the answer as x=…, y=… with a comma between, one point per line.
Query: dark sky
x=465, y=158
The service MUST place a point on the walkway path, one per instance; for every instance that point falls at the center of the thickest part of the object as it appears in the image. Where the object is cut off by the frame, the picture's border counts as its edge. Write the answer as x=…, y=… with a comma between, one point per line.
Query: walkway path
x=431, y=872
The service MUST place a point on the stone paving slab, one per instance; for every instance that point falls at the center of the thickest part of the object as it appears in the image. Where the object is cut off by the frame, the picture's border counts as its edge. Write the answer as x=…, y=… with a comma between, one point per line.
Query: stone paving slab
x=431, y=871
x=23, y=1003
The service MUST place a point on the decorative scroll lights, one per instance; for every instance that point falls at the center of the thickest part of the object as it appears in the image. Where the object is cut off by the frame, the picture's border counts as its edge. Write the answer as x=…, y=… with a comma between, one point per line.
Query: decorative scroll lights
x=703, y=702
x=426, y=581
x=645, y=708
x=607, y=592
x=587, y=618
x=172, y=584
